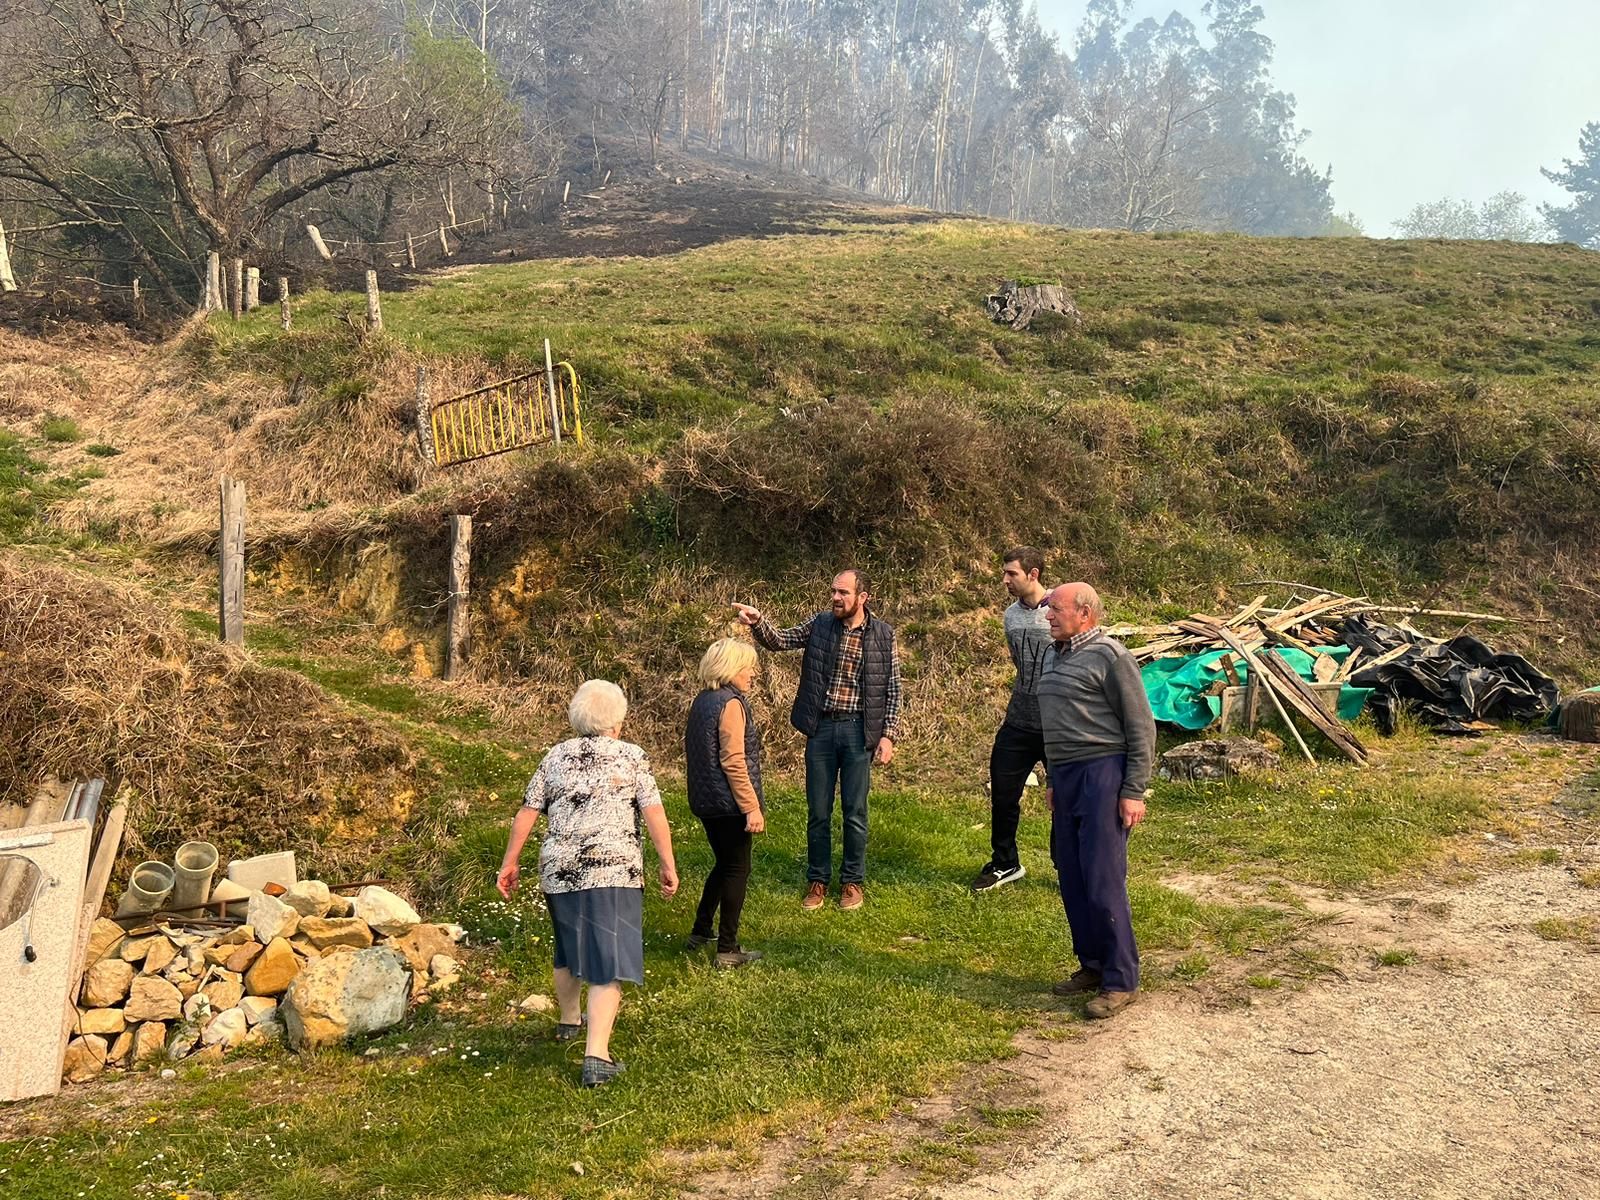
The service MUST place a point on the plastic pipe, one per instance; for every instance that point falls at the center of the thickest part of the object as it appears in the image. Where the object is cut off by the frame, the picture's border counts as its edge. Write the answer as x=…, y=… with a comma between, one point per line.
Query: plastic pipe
x=194, y=864
x=148, y=889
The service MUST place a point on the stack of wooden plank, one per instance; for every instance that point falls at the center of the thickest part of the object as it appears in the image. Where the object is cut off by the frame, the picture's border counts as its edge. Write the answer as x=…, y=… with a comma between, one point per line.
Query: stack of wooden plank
x=1252, y=636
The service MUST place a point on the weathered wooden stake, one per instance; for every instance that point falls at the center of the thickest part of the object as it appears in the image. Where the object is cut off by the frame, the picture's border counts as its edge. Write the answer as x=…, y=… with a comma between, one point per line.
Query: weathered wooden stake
x=566, y=191
x=136, y=289
x=460, y=586
x=550, y=383
x=284, y=314
x=8, y=281
x=316, y=240
x=236, y=298
x=374, y=308
x=425, y=416
x=443, y=243
x=411, y=253
x=230, y=559
x=252, y=289
x=211, y=301
x=606, y=180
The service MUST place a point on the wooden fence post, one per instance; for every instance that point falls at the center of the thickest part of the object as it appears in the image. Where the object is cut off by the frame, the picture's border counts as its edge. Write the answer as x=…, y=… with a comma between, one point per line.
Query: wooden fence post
x=411, y=253
x=566, y=191
x=136, y=289
x=316, y=240
x=425, y=416
x=8, y=281
x=550, y=384
x=460, y=587
x=443, y=243
x=211, y=300
x=284, y=315
x=230, y=557
x=236, y=299
x=252, y=289
x=374, y=308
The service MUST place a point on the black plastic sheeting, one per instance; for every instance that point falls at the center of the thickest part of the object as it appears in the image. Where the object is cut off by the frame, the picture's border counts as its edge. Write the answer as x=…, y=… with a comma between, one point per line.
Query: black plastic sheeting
x=1449, y=684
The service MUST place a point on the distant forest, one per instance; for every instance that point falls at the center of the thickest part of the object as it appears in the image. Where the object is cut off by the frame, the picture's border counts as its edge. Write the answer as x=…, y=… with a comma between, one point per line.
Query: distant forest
x=136, y=137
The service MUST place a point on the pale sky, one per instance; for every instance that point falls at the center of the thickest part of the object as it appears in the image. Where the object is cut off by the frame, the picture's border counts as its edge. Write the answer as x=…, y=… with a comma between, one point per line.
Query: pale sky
x=1414, y=100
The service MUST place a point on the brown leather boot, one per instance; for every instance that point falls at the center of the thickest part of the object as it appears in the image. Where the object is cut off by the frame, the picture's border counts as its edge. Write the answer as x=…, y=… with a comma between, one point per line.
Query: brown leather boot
x=852, y=896
x=1109, y=1004
x=816, y=895
x=1081, y=980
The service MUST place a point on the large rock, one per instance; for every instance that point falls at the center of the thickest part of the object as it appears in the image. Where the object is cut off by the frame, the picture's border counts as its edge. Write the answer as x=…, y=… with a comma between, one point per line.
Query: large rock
x=309, y=898
x=223, y=993
x=258, y=1008
x=159, y=955
x=104, y=1021
x=107, y=982
x=1217, y=758
x=153, y=999
x=242, y=957
x=149, y=1040
x=385, y=912
x=226, y=1029
x=105, y=936
x=121, y=1049
x=422, y=944
x=323, y=932
x=271, y=917
x=134, y=949
x=273, y=969
x=86, y=1058
x=340, y=906
x=344, y=996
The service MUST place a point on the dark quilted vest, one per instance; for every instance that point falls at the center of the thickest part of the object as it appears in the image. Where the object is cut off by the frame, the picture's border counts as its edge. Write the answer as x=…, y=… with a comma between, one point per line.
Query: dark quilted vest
x=816, y=669
x=709, y=793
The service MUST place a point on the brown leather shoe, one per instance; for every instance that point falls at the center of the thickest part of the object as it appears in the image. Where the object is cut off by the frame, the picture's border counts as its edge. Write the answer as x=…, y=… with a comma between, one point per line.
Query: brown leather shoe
x=1109, y=1004
x=852, y=896
x=1080, y=981
x=816, y=894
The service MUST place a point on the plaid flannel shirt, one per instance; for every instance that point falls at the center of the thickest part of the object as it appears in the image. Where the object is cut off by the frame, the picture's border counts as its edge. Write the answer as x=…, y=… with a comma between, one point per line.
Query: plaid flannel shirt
x=844, y=688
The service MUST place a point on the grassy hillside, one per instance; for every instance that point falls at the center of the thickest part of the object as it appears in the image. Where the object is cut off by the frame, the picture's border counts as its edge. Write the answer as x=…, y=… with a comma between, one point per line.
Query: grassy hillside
x=1417, y=420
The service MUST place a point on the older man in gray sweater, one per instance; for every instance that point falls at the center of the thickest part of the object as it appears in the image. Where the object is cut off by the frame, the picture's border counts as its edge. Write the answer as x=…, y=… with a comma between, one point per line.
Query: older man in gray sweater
x=1099, y=742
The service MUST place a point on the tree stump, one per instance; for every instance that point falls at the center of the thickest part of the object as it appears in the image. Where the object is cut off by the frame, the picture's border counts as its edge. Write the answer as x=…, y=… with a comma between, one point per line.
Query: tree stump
x=1580, y=717
x=1017, y=305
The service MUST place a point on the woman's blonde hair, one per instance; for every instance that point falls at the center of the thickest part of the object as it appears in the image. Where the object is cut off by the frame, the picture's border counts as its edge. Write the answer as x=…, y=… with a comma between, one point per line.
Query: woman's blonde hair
x=597, y=707
x=723, y=660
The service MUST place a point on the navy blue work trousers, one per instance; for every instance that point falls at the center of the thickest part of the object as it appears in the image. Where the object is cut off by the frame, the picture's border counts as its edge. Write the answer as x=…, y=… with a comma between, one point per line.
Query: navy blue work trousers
x=1089, y=847
x=837, y=756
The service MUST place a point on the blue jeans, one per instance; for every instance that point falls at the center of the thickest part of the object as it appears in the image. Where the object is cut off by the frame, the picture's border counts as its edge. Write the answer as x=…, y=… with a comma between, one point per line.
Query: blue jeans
x=1090, y=850
x=836, y=755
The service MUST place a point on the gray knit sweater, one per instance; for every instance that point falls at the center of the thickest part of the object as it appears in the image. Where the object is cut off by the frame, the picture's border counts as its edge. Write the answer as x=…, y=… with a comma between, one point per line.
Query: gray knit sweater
x=1028, y=640
x=1093, y=704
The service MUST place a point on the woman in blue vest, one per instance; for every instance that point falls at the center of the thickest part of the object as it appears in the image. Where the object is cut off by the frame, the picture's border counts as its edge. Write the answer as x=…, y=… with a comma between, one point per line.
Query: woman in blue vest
x=723, y=751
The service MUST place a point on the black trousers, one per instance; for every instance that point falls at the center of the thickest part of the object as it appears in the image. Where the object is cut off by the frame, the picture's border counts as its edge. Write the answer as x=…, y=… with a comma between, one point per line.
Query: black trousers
x=1015, y=753
x=727, y=882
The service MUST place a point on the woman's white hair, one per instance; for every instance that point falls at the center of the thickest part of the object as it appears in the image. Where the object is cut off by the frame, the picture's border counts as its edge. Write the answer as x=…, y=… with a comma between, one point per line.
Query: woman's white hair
x=597, y=707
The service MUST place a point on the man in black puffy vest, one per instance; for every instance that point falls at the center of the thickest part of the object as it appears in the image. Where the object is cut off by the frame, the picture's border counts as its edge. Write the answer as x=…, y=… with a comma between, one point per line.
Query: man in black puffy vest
x=848, y=706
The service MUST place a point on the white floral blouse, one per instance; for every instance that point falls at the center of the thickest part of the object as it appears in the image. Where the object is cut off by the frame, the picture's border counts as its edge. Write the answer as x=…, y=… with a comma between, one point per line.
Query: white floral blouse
x=593, y=791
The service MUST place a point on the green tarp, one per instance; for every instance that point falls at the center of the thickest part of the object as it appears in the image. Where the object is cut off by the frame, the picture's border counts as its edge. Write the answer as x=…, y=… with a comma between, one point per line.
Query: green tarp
x=1176, y=686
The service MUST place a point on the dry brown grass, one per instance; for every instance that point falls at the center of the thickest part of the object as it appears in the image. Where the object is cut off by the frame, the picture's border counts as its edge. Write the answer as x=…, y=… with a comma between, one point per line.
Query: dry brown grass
x=97, y=681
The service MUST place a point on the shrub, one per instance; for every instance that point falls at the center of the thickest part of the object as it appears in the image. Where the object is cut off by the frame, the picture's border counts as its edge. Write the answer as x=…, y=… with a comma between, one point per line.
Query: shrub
x=60, y=429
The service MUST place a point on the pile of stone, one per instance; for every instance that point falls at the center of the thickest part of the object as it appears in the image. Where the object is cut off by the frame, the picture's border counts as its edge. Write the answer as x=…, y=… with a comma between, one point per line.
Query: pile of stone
x=309, y=967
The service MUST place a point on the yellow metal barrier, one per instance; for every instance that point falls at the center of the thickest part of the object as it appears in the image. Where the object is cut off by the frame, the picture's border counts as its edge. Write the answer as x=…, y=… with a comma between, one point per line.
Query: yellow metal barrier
x=505, y=416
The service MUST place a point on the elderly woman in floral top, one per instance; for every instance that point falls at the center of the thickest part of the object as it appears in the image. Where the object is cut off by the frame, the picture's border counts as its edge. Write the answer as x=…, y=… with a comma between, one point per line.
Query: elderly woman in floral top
x=595, y=790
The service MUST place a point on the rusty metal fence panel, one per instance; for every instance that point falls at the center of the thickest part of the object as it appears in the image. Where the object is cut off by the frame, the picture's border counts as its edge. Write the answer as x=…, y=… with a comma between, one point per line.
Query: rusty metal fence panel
x=511, y=414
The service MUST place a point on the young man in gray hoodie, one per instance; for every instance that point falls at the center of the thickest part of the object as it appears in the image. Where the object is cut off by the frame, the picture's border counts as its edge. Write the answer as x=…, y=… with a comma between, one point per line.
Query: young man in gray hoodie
x=1019, y=744
x=1099, y=744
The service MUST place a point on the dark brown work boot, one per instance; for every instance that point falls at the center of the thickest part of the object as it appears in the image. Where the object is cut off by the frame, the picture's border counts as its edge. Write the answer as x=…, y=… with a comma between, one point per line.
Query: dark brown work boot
x=1109, y=1004
x=1080, y=981
x=852, y=896
x=816, y=895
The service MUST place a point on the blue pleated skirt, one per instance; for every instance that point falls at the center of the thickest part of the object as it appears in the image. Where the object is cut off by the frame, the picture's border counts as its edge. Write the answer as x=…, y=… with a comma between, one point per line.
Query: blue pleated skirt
x=599, y=933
